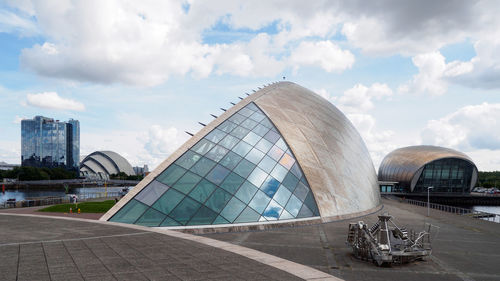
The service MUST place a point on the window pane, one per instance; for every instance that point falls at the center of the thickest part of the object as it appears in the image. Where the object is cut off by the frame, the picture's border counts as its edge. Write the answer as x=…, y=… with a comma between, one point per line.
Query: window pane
x=240, y=132
x=168, y=201
x=203, y=146
x=252, y=106
x=242, y=148
x=218, y=174
x=218, y=200
x=264, y=145
x=232, y=209
x=227, y=126
x=273, y=211
x=171, y=175
x=301, y=191
x=203, y=216
x=216, y=153
x=276, y=153
x=245, y=112
x=188, y=159
x=281, y=144
x=232, y=183
x=220, y=220
x=279, y=172
x=151, y=218
x=203, y=166
x=293, y=205
x=248, y=215
x=285, y=215
x=311, y=204
x=229, y=142
x=246, y=192
x=202, y=191
x=185, y=210
x=270, y=186
x=254, y=155
x=249, y=124
x=267, y=164
x=257, y=177
x=257, y=116
x=151, y=192
x=130, y=212
x=287, y=161
x=304, y=212
x=237, y=118
x=252, y=138
x=260, y=130
x=244, y=168
x=282, y=195
x=272, y=136
x=169, y=222
x=230, y=160
x=215, y=135
x=266, y=123
x=296, y=170
x=259, y=202
x=187, y=182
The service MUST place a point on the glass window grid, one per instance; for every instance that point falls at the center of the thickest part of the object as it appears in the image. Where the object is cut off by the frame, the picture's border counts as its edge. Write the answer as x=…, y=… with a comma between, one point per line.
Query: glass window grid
x=279, y=143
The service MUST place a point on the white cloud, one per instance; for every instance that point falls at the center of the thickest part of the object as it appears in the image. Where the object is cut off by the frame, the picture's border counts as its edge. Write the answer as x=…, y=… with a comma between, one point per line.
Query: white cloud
x=470, y=128
x=325, y=54
x=14, y=23
x=434, y=74
x=162, y=142
x=360, y=98
x=51, y=100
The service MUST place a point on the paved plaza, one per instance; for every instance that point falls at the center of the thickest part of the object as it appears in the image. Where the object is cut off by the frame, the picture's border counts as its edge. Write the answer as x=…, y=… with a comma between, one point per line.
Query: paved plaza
x=41, y=248
x=465, y=248
x=44, y=248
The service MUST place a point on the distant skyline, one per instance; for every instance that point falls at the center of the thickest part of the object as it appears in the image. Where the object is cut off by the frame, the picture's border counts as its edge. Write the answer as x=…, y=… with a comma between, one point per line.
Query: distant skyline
x=138, y=74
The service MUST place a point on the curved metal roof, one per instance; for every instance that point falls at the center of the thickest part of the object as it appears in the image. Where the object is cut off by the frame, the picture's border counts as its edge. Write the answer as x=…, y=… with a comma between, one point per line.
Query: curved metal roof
x=107, y=162
x=328, y=148
x=403, y=164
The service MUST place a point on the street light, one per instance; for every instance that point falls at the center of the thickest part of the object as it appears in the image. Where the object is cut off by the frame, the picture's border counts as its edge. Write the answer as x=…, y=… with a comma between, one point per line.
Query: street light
x=428, y=189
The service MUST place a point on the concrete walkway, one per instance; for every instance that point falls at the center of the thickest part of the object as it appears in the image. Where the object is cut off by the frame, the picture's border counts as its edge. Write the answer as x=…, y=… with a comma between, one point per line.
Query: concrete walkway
x=465, y=248
x=49, y=248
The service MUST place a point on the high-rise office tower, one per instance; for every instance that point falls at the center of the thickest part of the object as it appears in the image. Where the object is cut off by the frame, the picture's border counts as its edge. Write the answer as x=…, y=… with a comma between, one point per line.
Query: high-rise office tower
x=46, y=142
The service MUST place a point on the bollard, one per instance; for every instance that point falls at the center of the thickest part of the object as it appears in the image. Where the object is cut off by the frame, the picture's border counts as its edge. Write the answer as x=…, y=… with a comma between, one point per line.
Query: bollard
x=78, y=210
x=70, y=210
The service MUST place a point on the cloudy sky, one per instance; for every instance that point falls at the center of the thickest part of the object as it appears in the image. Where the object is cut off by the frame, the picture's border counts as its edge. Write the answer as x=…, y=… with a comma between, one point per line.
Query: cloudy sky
x=137, y=74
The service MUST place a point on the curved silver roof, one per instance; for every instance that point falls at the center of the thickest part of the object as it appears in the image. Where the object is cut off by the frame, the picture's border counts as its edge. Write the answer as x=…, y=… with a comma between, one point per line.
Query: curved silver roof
x=107, y=162
x=332, y=154
x=404, y=165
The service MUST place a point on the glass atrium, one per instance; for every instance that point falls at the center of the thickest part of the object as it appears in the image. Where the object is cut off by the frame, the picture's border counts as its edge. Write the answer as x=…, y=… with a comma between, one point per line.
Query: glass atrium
x=241, y=172
x=446, y=175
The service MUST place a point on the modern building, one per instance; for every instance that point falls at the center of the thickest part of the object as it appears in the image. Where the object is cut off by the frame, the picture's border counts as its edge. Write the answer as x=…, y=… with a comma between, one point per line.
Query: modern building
x=46, y=142
x=415, y=168
x=99, y=165
x=144, y=170
x=281, y=154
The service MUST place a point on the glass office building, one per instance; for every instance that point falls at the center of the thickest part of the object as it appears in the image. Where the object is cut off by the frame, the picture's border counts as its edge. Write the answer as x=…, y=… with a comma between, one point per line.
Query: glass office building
x=415, y=168
x=46, y=142
x=281, y=154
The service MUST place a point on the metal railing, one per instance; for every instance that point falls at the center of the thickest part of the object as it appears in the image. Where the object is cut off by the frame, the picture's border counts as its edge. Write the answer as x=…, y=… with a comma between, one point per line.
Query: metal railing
x=43, y=201
x=456, y=210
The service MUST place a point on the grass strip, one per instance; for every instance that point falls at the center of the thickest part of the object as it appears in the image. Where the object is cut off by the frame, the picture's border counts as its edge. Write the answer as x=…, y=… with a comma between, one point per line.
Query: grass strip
x=85, y=207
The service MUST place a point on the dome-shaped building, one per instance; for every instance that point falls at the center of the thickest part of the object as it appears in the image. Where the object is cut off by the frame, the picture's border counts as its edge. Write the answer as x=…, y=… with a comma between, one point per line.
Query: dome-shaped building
x=415, y=168
x=104, y=163
x=282, y=153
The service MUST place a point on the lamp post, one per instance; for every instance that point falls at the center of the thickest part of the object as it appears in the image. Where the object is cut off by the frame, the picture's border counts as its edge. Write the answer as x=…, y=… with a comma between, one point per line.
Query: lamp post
x=428, y=208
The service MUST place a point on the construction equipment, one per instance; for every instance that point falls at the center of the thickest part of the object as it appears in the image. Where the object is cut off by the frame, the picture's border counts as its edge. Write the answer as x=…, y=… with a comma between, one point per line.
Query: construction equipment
x=385, y=245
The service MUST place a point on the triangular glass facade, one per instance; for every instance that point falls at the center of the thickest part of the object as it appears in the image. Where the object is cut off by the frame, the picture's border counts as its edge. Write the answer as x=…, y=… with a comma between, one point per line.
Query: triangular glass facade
x=243, y=171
